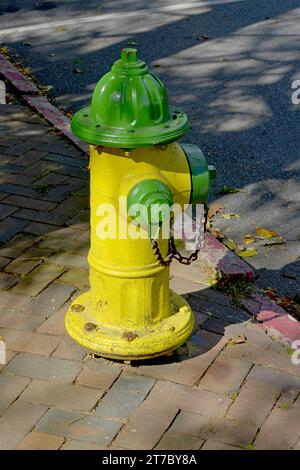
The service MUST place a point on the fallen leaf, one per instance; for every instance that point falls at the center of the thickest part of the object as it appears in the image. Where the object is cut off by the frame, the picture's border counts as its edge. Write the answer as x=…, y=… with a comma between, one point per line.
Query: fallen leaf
x=265, y=233
x=272, y=241
x=248, y=239
x=286, y=301
x=238, y=340
x=217, y=233
x=271, y=294
x=60, y=29
x=230, y=244
x=231, y=216
x=247, y=253
x=228, y=190
x=214, y=209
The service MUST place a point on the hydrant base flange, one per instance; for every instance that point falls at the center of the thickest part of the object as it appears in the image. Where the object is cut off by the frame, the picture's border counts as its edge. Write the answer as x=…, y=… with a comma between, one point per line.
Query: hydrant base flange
x=117, y=343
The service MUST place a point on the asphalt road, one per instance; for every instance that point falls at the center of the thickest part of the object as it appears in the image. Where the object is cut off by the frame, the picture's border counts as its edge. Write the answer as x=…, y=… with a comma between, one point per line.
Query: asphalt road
x=228, y=64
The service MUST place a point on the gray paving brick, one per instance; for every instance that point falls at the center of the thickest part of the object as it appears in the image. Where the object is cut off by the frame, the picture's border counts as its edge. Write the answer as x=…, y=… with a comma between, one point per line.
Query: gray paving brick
x=37, y=170
x=175, y=441
x=75, y=425
x=29, y=342
x=29, y=203
x=59, y=147
x=18, y=189
x=17, y=245
x=72, y=444
x=76, y=277
x=19, y=320
x=65, y=233
x=6, y=210
x=72, y=205
x=60, y=192
x=227, y=431
x=98, y=374
x=7, y=280
x=16, y=423
x=55, y=324
x=216, y=325
x=10, y=227
x=225, y=375
x=189, y=362
x=223, y=312
x=69, y=261
x=72, y=171
x=4, y=262
x=18, y=148
x=12, y=301
x=11, y=168
x=29, y=158
x=41, y=441
x=11, y=387
x=212, y=445
x=254, y=402
x=281, y=430
x=275, y=377
x=253, y=333
x=51, y=178
x=125, y=396
x=60, y=244
x=63, y=160
x=69, y=349
x=38, y=279
x=22, y=265
x=40, y=228
x=41, y=216
x=44, y=368
x=61, y=395
x=263, y=356
x=50, y=299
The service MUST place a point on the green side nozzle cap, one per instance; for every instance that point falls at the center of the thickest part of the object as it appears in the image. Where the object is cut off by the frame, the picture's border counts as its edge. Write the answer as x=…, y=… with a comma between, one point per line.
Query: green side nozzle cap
x=129, y=108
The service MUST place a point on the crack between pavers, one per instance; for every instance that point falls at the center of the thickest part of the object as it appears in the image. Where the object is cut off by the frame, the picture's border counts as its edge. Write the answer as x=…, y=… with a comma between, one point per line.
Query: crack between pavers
x=238, y=391
x=128, y=419
x=197, y=383
x=260, y=427
x=167, y=429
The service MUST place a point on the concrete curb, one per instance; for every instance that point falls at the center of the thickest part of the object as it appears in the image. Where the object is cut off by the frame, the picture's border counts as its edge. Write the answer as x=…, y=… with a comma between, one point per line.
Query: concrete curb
x=273, y=319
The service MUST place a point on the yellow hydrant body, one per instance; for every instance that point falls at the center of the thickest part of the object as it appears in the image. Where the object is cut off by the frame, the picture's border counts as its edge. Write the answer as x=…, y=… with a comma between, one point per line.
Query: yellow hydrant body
x=129, y=311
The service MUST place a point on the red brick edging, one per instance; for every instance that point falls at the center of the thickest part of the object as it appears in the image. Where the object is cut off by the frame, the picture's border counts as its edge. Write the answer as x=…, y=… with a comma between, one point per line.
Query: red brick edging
x=273, y=319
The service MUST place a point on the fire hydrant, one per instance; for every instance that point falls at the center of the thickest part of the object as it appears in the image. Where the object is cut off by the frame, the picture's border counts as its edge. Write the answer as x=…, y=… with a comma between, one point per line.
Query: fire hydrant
x=129, y=312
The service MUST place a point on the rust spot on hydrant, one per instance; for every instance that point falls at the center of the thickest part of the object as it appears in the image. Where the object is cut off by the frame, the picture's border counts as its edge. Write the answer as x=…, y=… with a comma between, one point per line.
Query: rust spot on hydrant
x=77, y=308
x=90, y=326
x=129, y=335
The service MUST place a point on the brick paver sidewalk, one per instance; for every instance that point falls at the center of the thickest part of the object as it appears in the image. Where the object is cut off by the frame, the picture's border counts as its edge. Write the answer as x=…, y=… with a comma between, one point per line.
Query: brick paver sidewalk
x=216, y=392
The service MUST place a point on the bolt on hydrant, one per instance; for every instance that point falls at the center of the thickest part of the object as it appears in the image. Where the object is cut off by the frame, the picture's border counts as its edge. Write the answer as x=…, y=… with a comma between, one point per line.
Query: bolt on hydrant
x=129, y=312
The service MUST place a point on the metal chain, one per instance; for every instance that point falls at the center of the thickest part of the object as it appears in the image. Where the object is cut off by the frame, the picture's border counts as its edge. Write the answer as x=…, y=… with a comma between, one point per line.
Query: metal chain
x=173, y=253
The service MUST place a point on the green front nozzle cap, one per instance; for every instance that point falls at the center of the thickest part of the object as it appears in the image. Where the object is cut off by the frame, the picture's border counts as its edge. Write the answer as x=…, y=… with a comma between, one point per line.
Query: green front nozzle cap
x=155, y=197
x=129, y=108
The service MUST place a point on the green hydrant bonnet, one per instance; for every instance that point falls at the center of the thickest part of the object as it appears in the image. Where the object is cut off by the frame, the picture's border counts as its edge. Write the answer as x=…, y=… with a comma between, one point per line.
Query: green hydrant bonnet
x=129, y=109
